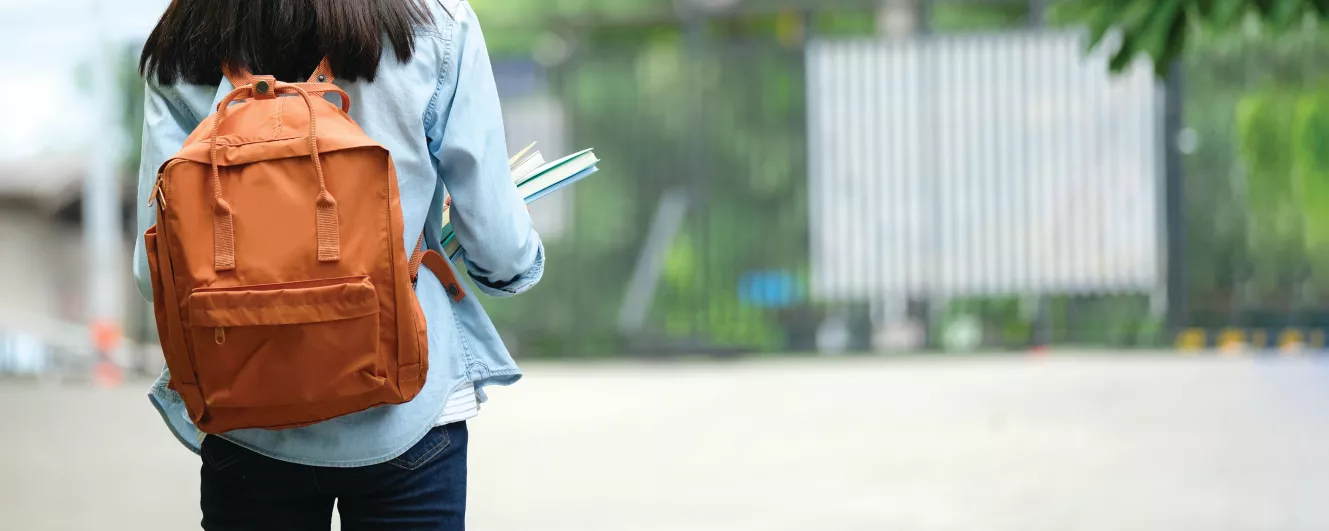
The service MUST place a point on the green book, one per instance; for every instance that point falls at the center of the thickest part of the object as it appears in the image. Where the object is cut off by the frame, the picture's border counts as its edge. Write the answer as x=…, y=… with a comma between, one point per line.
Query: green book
x=535, y=179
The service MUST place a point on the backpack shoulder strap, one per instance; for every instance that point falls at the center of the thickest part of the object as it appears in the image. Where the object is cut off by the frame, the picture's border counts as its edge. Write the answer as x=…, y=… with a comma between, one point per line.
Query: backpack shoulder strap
x=322, y=74
x=238, y=77
x=437, y=265
x=242, y=76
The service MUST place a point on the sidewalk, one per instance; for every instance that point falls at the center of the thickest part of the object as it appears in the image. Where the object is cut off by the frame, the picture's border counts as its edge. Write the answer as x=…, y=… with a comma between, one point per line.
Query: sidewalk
x=979, y=444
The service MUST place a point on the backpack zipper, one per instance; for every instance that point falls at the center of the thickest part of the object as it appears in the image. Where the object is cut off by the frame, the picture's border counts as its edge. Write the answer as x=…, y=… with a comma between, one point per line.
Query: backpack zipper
x=156, y=196
x=159, y=187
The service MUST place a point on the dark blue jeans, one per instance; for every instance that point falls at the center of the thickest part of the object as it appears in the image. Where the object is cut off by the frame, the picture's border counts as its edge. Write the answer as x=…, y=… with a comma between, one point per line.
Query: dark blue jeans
x=425, y=488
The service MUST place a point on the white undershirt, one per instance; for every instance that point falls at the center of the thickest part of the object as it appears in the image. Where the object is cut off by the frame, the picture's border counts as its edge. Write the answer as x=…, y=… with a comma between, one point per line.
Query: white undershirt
x=462, y=405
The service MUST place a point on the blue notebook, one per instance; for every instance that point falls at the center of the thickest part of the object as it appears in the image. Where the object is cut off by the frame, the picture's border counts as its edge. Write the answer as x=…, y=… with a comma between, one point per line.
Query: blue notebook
x=535, y=180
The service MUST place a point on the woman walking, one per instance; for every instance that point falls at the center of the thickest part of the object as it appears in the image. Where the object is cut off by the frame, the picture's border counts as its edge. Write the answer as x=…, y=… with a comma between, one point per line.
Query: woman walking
x=422, y=85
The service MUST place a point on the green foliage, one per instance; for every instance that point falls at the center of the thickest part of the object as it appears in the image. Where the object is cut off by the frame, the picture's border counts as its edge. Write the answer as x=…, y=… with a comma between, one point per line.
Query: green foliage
x=131, y=96
x=728, y=125
x=1116, y=321
x=1253, y=229
x=1283, y=139
x=1274, y=219
x=516, y=27
x=1160, y=29
x=1310, y=151
x=986, y=16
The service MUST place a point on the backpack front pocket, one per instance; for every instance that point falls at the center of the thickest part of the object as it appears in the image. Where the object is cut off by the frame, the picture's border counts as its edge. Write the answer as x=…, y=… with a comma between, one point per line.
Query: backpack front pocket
x=286, y=344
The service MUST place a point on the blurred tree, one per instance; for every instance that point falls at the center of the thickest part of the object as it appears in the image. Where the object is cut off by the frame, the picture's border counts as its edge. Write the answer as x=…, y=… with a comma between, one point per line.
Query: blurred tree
x=725, y=124
x=1274, y=217
x=1251, y=220
x=1310, y=154
x=1160, y=28
x=131, y=97
x=985, y=16
x=637, y=94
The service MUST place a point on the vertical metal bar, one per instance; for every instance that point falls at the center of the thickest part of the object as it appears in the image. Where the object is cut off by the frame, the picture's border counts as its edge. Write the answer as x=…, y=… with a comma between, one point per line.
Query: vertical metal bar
x=986, y=53
x=799, y=243
x=841, y=165
x=1146, y=171
x=1005, y=117
x=1070, y=222
x=864, y=101
x=1098, y=105
x=926, y=56
x=918, y=147
x=1042, y=333
x=1037, y=13
x=968, y=206
x=885, y=241
x=1020, y=165
x=814, y=115
x=910, y=152
x=1178, y=313
x=1055, y=243
x=944, y=195
x=923, y=25
x=1000, y=108
x=892, y=120
x=860, y=162
x=695, y=151
x=1068, y=56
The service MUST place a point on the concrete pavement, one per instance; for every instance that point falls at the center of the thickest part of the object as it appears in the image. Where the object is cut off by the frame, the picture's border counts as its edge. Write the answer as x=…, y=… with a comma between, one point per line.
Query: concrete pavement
x=1130, y=443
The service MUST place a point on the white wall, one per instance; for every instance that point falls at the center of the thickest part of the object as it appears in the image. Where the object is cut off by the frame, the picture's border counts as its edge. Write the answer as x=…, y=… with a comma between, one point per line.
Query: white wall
x=981, y=165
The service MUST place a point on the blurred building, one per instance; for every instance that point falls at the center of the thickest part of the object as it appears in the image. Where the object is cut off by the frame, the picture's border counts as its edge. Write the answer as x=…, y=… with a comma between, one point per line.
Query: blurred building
x=57, y=140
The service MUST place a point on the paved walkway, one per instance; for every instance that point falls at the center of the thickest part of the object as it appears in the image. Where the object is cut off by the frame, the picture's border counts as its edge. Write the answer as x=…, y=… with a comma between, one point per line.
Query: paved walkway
x=987, y=444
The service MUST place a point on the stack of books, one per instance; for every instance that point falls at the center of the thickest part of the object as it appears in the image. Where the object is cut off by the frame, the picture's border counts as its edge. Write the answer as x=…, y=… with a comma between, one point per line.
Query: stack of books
x=535, y=179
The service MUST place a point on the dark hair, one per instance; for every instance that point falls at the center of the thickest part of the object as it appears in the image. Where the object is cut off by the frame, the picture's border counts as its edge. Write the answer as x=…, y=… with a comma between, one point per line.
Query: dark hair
x=282, y=38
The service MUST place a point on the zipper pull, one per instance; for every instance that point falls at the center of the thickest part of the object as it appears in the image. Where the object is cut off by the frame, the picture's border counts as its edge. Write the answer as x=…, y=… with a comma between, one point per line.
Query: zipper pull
x=219, y=335
x=157, y=195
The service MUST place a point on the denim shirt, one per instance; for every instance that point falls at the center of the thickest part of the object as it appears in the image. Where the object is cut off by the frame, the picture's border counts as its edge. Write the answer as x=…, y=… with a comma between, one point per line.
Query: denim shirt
x=438, y=115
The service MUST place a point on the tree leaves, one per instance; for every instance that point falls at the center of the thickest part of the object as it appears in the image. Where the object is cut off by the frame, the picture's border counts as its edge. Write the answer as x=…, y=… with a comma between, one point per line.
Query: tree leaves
x=1159, y=29
x=1309, y=148
x=1274, y=219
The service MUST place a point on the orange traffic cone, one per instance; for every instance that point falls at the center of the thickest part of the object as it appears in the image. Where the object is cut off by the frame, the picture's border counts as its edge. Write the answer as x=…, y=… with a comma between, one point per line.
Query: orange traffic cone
x=105, y=337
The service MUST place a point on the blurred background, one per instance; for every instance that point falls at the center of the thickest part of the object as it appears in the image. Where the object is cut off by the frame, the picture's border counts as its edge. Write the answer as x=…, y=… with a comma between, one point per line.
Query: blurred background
x=920, y=264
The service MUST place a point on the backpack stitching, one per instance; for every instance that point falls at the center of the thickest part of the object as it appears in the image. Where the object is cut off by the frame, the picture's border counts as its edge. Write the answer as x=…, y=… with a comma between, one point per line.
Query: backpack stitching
x=281, y=117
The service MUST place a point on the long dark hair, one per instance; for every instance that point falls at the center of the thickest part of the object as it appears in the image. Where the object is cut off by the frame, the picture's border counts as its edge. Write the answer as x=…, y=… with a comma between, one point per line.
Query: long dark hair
x=282, y=38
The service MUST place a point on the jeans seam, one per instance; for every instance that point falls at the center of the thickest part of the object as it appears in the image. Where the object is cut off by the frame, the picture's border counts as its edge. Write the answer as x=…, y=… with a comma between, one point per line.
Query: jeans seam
x=428, y=455
x=222, y=464
x=313, y=474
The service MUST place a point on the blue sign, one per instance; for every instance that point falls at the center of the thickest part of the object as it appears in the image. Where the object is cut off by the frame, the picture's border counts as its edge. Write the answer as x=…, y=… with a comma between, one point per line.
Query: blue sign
x=770, y=289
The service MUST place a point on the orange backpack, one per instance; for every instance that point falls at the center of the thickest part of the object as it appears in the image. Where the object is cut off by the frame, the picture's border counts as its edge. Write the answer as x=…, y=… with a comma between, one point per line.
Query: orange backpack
x=282, y=289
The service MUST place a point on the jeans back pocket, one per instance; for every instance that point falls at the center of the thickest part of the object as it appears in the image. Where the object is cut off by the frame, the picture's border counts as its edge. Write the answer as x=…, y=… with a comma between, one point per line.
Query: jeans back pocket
x=429, y=448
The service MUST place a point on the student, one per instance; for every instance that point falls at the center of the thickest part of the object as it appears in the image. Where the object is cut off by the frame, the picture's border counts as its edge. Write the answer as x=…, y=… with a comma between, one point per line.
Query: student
x=421, y=82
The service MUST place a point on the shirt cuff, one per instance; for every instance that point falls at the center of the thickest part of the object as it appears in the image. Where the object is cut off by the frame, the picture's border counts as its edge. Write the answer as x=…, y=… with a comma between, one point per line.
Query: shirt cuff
x=513, y=286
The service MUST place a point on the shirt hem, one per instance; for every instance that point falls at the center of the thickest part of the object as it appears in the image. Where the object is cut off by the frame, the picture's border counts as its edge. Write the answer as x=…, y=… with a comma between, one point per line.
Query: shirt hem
x=370, y=461
x=160, y=403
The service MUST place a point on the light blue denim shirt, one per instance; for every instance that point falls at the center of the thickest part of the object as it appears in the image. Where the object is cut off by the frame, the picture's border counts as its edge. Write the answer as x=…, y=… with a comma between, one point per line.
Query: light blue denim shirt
x=438, y=114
